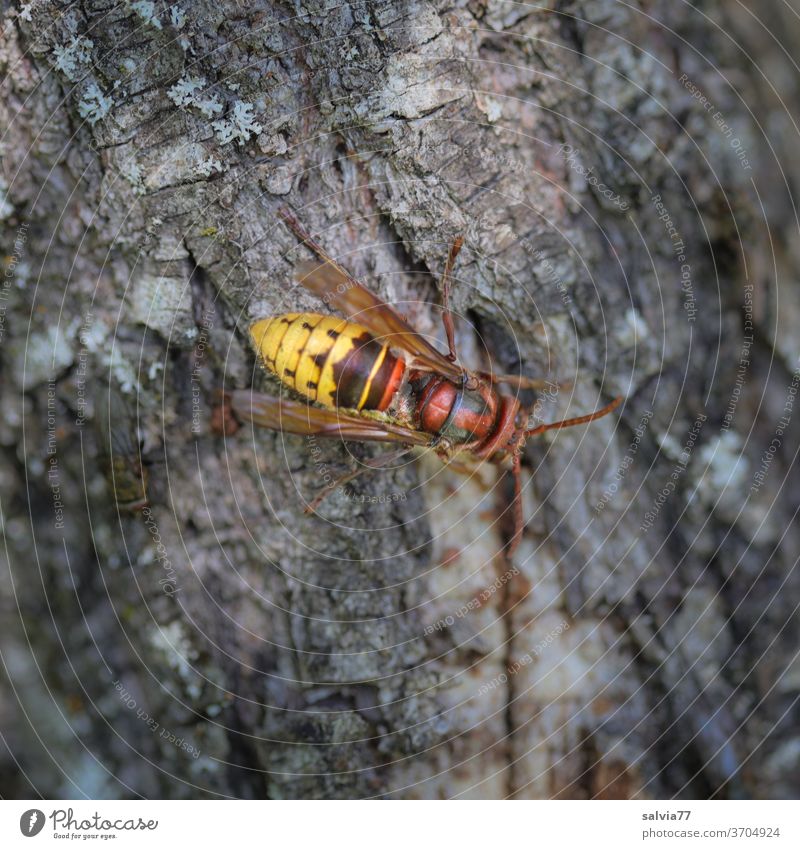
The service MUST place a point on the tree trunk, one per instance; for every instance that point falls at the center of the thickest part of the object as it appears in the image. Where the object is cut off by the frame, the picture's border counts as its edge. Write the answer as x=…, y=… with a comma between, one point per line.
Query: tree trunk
x=621, y=177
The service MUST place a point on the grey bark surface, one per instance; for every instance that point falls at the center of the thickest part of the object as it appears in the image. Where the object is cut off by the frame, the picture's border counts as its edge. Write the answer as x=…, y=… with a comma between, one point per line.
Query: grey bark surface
x=224, y=644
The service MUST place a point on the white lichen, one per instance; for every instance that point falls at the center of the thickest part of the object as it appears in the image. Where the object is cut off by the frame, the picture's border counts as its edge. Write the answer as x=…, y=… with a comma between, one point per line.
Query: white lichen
x=70, y=57
x=724, y=466
x=94, y=104
x=6, y=208
x=183, y=92
x=209, y=106
x=239, y=127
x=92, y=335
x=207, y=167
x=490, y=106
x=632, y=330
x=133, y=174
x=171, y=640
x=121, y=370
x=350, y=54
x=24, y=272
x=186, y=92
x=670, y=446
x=147, y=12
x=25, y=12
x=177, y=17
x=44, y=355
x=70, y=20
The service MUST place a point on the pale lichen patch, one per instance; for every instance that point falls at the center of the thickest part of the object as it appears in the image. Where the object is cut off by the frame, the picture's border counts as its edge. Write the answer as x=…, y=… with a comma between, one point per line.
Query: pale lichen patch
x=128, y=65
x=208, y=166
x=146, y=10
x=6, y=208
x=723, y=464
x=632, y=330
x=178, y=652
x=725, y=472
x=121, y=370
x=94, y=104
x=46, y=355
x=188, y=92
x=177, y=17
x=491, y=107
x=133, y=174
x=240, y=126
x=670, y=446
x=69, y=58
x=183, y=92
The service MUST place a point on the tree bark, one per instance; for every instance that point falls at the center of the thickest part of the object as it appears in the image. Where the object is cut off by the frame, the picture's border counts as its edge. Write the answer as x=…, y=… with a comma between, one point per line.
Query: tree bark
x=622, y=177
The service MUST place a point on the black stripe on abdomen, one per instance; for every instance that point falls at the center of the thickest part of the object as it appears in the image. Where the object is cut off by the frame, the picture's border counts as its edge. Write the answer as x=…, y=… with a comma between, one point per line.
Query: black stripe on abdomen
x=378, y=385
x=352, y=372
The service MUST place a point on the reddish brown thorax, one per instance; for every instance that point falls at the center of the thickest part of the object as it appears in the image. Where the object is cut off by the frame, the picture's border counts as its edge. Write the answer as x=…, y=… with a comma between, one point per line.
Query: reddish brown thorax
x=461, y=415
x=457, y=414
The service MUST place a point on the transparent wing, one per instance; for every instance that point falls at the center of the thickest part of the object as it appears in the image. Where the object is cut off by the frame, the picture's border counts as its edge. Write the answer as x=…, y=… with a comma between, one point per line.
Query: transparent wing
x=335, y=287
x=305, y=420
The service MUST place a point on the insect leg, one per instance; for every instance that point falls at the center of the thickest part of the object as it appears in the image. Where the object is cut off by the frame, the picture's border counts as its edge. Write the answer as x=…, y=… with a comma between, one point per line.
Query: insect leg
x=447, y=316
x=223, y=422
x=597, y=414
x=304, y=236
x=521, y=382
x=369, y=466
x=516, y=507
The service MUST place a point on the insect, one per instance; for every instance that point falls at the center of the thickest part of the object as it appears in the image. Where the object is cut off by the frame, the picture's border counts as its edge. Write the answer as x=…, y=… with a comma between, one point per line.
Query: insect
x=126, y=474
x=373, y=378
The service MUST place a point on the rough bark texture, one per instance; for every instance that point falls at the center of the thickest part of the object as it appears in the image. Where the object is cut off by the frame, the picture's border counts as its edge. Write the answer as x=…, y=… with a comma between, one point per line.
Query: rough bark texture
x=223, y=644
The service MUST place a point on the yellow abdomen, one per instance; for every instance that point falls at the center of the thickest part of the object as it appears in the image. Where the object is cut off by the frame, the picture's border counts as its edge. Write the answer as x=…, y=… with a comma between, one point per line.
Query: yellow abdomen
x=334, y=362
